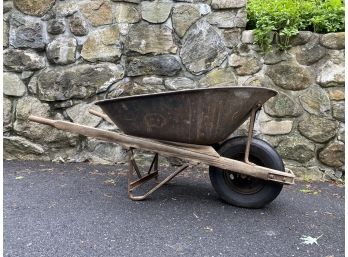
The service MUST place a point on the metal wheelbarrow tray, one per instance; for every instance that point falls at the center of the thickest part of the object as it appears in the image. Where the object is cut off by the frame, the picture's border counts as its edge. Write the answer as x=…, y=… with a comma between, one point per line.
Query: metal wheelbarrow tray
x=193, y=125
x=199, y=116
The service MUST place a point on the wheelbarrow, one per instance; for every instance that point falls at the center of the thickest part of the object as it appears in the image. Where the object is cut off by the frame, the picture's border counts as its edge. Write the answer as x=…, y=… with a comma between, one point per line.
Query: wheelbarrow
x=195, y=125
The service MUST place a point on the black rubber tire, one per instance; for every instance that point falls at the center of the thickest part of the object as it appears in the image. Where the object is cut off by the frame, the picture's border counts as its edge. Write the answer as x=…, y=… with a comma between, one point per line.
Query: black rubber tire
x=246, y=191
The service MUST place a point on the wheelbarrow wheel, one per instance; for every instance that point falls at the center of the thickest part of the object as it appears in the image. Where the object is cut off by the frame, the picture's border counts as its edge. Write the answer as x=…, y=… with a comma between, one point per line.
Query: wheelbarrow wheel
x=241, y=190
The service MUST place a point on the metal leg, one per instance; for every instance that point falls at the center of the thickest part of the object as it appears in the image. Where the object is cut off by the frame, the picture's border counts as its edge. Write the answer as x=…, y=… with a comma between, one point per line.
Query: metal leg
x=155, y=167
x=167, y=179
x=150, y=175
x=139, y=182
x=130, y=171
x=154, y=163
x=250, y=134
x=135, y=166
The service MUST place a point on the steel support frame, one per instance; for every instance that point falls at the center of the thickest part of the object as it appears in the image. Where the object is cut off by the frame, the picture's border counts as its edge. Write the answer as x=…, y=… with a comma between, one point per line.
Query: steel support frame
x=151, y=174
x=250, y=133
x=189, y=153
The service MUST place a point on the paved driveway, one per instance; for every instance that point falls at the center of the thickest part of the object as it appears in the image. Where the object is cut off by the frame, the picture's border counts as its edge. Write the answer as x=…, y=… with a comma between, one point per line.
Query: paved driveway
x=83, y=210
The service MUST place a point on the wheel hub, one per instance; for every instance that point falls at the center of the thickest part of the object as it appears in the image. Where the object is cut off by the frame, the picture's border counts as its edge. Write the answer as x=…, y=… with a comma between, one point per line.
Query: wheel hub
x=242, y=183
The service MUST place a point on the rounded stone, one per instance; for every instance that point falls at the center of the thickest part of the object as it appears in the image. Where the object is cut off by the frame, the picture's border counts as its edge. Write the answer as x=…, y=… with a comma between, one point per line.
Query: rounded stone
x=102, y=45
x=333, y=40
x=309, y=53
x=232, y=37
x=7, y=111
x=275, y=56
x=16, y=147
x=34, y=8
x=66, y=8
x=62, y=50
x=102, y=152
x=126, y=13
x=156, y=11
x=303, y=37
x=257, y=81
x=296, y=148
x=55, y=27
x=23, y=60
x=331, y=74
x=180, y=83
x=290, y=75
x=338, y=110
x=183, y=17
x=333, y=155
x=248, y=36
x=128, y=87
x=5, y=31
x=78, y=26
x=77, y=82
x=282, y=105
x=336, y=94
x=276, y=127
x=148, y=38
x=341, y=132
x=312, y=173
x=202, y=48
x=98, y=12
x=7, y=6
x=228, y=4
x=29, y=105
x=152, y=81
x=38, y=132
x=79, y=113
x=234, y=18
x=315, y=101
x=245, y=65
x=26, y=32
x=163, y=65
x=13, y=85
x=219, y=77
x=318, y=129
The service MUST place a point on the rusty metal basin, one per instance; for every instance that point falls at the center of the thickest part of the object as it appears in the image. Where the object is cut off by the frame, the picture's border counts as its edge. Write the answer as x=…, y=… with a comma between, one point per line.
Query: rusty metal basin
x=199, y=116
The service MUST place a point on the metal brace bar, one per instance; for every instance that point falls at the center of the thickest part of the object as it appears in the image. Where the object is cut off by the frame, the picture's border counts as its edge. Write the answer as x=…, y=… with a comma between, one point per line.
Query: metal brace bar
x=130, y=172
x=154, y=164
x=250, y=133
x=134, y=163
x=141, y=181
x=167, y=179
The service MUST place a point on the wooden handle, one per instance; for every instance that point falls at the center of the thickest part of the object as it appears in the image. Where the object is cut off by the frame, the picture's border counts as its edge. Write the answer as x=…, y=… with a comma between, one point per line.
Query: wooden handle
x=41, y=120
x=102, y=115
x=185, y=153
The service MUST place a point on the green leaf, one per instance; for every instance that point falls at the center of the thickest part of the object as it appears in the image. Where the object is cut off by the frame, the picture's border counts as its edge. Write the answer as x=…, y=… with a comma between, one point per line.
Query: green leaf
x=287, y=17
x=306, y=191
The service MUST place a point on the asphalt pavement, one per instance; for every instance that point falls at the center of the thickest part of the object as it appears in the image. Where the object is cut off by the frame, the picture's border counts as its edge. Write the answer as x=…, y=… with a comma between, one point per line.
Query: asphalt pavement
x=83, y=210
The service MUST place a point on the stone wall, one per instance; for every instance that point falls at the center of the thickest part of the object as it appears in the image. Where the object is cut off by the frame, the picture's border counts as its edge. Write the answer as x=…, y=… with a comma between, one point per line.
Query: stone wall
x=60, y=56
x=305, y=122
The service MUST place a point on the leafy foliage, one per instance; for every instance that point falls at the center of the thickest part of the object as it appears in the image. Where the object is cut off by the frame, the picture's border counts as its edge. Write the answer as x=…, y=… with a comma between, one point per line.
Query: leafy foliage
x=276, y=21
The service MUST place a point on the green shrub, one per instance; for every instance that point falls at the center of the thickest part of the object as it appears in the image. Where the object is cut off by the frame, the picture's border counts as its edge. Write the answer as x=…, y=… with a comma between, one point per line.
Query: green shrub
x=329, y=17
x=276, y=21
